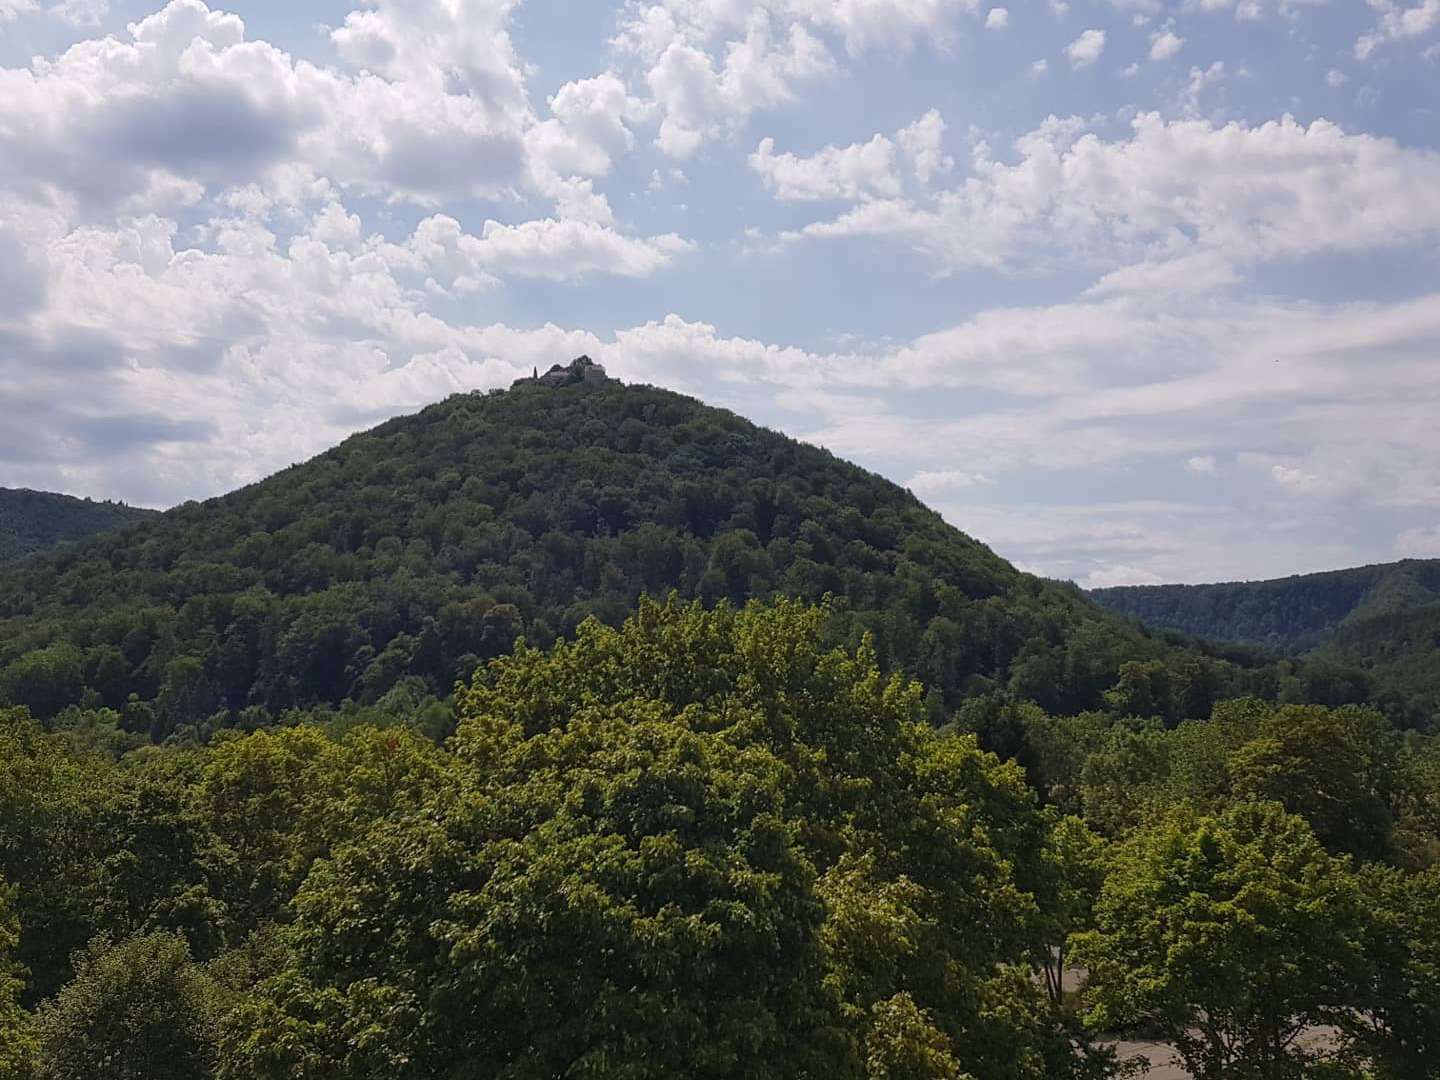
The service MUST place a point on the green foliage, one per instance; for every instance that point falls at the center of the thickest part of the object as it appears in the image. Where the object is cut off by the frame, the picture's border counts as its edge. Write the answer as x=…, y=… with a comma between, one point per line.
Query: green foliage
x=1228, y=936
x=137, y=1010
x=33, y=521
x=415, y=552
x=95, y=849
x=1397, y=1029
x=1074, y=861
x=17, y=1045
x=1373, y=626
x=701, y=845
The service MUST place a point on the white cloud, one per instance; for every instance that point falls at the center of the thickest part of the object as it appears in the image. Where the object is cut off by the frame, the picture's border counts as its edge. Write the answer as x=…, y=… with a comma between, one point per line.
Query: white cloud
x=708, y=67
x=186, y=97
x=1397, y=24
x=868, y=24
x=1295, y=479
x=934, y=482
x=1335, y=78
x=1202, y=271
x=1165, y=44
x=1201, y=464
x=997, y=18
x=587, y=130
x=1419, y=543
x=1172, y=190
x=1118, y=574
x=10, y=10
x=921, y=143
x=1086, y=49
x=1039, y=67
x=861, y=171
x=1201, y=80
x=79, y=12
x=558, y=250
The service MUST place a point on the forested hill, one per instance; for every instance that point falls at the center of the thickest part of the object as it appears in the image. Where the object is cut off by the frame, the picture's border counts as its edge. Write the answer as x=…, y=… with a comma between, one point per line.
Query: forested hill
x=1384, y=619
x=382, y=571
x=32, y=521
x=1290, y=614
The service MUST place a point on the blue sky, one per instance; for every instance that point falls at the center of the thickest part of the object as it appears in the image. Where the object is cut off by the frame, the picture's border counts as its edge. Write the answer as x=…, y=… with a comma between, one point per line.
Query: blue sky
x=1132, y=290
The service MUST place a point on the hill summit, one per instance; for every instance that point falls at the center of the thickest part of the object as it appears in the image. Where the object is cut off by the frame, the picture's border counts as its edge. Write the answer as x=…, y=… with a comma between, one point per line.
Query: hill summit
x=581, y=370
x=384, y=570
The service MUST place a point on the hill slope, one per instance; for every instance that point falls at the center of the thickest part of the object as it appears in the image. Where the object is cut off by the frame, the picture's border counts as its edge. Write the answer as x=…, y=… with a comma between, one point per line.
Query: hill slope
x=397, y=561
x=32, y=521
x=1384, y=619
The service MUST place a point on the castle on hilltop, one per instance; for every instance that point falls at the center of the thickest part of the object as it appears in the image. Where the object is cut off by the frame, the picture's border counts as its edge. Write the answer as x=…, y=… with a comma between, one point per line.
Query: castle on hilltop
x=580, y=370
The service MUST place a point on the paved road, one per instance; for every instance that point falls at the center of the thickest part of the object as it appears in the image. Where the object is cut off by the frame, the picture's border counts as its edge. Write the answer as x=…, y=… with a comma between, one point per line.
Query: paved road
x=1159, y=1055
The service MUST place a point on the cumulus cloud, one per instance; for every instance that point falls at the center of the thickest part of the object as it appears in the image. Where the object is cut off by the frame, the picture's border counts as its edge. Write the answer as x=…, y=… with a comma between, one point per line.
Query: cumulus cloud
x=1201, y=464
x=557, y=250
x=997, y=18
x=588, y=127
x=707, y=69
x=1397, y=23
x=1165, y=44
x=860, y=171
x=1086, y=49
x=1174, y=189
x=921, y=142
x=185, y=96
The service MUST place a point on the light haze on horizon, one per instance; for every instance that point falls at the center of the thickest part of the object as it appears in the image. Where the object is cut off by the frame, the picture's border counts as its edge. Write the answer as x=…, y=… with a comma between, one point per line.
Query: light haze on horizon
x=1131, y=290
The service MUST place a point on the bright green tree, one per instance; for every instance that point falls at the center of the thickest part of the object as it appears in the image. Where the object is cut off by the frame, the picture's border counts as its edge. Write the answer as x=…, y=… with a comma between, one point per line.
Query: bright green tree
x=1229, y=935
x=701, y=844
x=1073, y=857
x=1396, y=1031
x=137, y=1010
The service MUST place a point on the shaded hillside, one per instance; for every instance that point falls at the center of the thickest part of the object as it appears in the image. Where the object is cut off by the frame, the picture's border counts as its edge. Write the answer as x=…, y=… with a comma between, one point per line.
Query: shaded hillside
x=408, y=554
x=1384, y=619
x=32, y=521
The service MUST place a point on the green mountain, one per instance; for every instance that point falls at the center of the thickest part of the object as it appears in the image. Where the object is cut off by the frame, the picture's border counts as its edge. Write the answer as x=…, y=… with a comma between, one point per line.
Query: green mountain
x=32, y=521
x=389, y=567
x=1383, y=619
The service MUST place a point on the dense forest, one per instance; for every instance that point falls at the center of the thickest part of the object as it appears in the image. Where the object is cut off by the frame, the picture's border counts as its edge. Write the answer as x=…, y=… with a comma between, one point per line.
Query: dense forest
x=1383, y=620
x=705, y=844
x=584, y=731
x=32, y=521
x=382, y=572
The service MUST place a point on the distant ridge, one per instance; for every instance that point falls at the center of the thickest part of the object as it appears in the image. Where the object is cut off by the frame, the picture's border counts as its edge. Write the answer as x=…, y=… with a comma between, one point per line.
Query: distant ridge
x=33, y=521
x=1383, y=618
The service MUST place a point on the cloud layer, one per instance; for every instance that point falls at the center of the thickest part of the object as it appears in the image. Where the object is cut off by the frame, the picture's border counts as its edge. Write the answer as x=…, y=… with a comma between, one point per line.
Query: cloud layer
x=1119, y=297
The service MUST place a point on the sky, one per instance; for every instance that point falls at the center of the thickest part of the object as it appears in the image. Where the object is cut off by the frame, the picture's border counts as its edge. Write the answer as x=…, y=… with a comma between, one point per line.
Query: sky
x=1131, y=290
